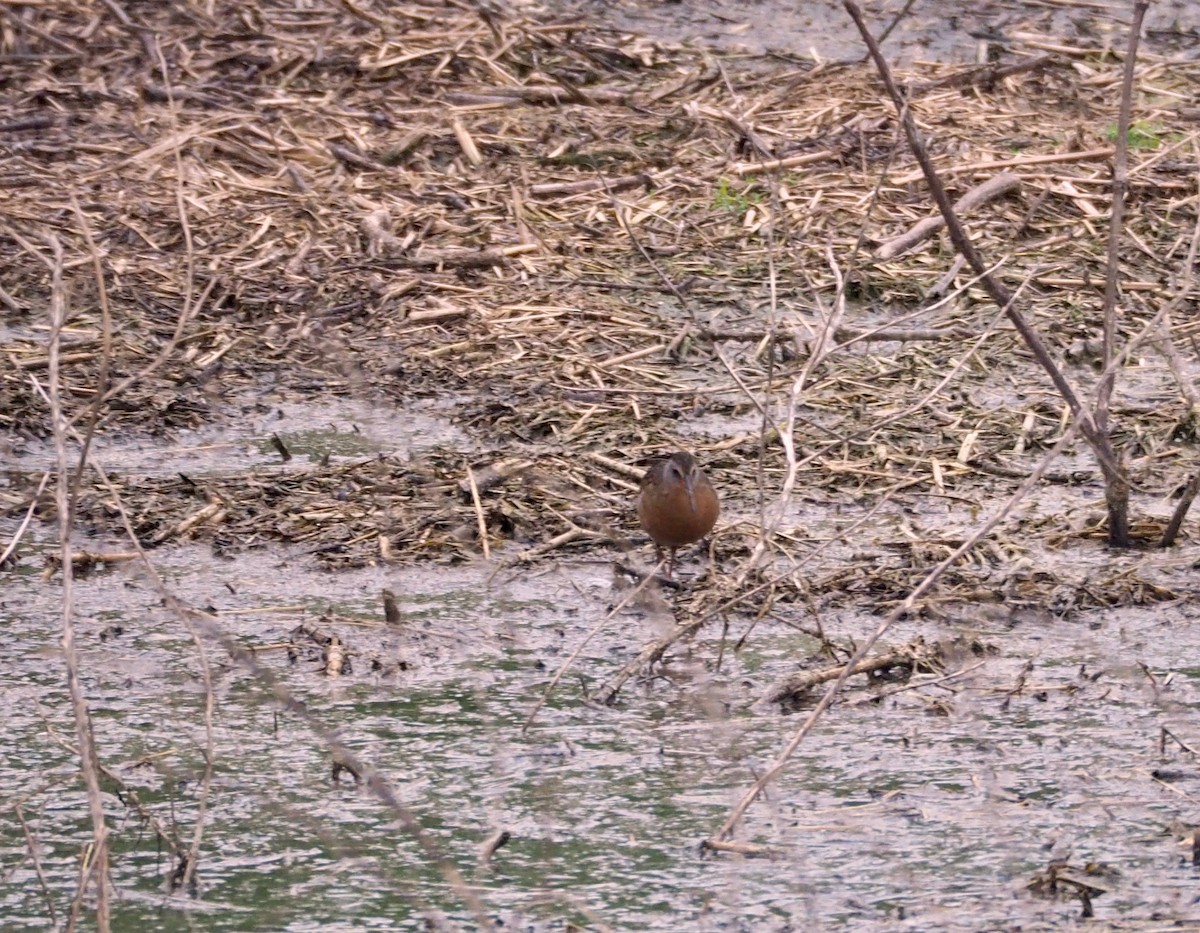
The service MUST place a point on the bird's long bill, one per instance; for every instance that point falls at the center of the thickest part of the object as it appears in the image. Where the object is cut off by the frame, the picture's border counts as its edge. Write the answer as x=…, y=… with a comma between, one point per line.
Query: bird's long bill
x=689, y=483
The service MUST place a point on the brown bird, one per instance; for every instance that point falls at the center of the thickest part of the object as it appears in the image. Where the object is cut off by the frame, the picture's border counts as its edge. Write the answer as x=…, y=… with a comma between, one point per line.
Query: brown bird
x=677, y=504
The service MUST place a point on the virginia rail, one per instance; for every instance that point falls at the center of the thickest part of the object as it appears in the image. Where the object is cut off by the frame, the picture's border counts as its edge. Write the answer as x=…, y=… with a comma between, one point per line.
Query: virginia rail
x=677, y=504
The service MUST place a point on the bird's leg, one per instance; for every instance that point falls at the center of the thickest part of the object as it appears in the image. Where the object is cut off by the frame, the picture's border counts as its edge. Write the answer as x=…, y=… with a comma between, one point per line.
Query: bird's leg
x=671, y=563
x=658, y=555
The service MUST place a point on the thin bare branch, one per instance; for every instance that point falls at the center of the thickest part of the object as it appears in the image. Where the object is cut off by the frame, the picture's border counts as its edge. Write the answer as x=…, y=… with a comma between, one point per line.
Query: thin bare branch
x=1116, y=484
x=98, y=868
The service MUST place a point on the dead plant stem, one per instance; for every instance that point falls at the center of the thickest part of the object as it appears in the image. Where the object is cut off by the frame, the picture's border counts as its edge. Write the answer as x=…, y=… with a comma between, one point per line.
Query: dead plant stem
x=1120, y=189
x=79, y=705
x=375, y=782
x=927, y=582
x=566, y=665
x=102, y=378
x=186, y=312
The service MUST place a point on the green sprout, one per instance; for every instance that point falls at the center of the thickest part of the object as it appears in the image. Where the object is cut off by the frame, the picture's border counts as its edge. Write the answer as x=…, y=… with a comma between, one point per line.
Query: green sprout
x=736, y=202
x=1141, y=135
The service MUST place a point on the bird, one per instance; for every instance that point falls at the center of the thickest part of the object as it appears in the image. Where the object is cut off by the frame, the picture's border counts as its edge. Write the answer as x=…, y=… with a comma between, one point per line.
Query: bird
x=677, y=505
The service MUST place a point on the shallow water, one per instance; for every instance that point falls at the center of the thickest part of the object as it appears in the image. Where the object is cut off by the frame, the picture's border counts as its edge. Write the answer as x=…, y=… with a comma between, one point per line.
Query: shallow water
x=929, y=809
x=309, y=429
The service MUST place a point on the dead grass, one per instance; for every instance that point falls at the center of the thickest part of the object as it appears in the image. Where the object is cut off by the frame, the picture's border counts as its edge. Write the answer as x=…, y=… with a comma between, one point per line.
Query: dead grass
x=406, y=201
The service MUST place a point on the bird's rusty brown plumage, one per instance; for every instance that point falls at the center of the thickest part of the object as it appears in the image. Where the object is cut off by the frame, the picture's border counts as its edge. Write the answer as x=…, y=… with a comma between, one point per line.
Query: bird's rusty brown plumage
x=677, y=504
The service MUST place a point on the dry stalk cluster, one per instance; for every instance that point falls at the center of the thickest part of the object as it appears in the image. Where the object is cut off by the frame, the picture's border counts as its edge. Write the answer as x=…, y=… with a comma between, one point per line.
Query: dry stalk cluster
x=426, y=202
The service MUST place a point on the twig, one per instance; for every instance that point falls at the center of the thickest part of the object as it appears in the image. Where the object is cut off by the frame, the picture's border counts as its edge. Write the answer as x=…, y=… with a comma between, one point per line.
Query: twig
x=566, y=665
x=187, y=881
x=887, y=31
x=1171, y=532
x=19, y=533
x=375, y=783
x=479, y=516
x=1166, y=346
x=102, y=379
x=32, y=846
x=820, y=348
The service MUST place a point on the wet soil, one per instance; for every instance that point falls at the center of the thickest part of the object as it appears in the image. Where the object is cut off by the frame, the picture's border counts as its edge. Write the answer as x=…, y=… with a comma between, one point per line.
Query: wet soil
x=935, y=30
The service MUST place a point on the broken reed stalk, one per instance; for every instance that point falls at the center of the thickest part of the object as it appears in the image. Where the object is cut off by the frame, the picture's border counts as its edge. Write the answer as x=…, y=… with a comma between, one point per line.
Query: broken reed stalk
x=1115, y=481
x=96, y=870
x=797, y=685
